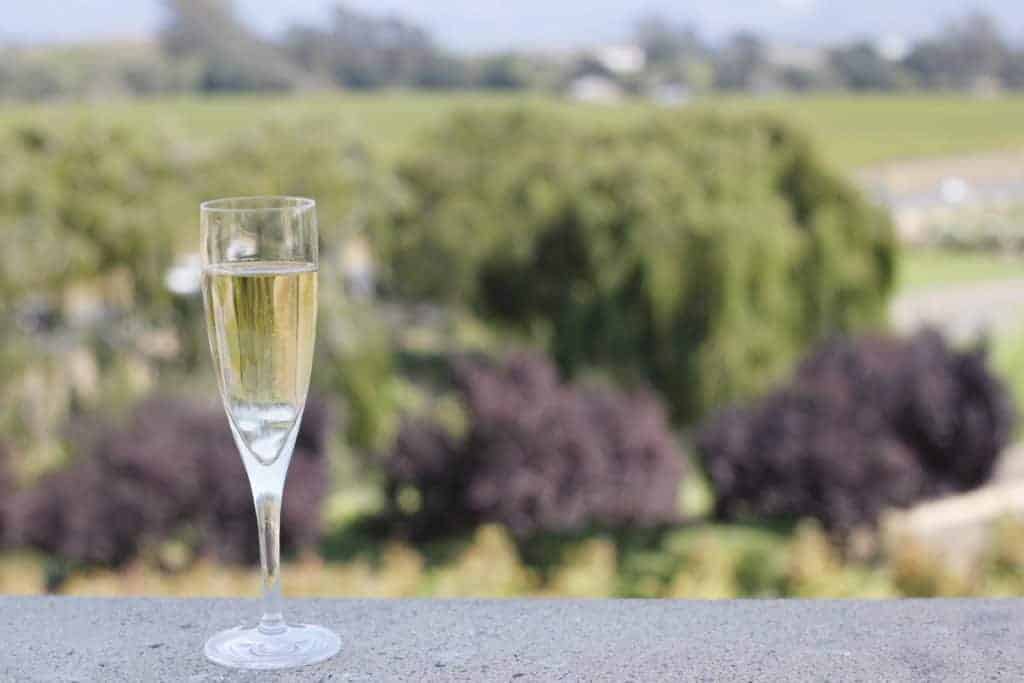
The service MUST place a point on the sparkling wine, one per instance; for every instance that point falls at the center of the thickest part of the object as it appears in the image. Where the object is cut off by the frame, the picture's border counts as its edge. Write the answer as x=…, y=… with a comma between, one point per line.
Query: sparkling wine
x=261, y=318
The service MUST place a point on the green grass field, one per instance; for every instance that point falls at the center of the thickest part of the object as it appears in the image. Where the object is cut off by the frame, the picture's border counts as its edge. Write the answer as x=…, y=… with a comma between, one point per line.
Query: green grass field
x=923, y=268
x=852, y=130
x=856, y=131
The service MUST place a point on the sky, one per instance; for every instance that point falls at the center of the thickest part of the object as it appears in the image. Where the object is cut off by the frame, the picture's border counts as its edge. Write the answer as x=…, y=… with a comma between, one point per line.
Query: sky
x=483, y=25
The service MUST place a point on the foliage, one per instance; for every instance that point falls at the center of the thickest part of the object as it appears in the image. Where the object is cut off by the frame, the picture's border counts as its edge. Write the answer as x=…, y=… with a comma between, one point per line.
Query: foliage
x=6, y=492
x=740, y=63
x=356, y=360
x=1008, y=362
x=967, y=51
x=488, y=567
x=698, y=252
x=918, y=573
x=666, y=42
x=205, y=46
x=860, y=66
x=83, y=200
x=232, y=58
x=504, y=71
x=866, y=424
x=101, y=211
x=91, y=71
x=143, y=485
x=537, y=456
x=95, y=211
x=702, y=561
x=361, y=50
x=203, y=141
x=849, y=132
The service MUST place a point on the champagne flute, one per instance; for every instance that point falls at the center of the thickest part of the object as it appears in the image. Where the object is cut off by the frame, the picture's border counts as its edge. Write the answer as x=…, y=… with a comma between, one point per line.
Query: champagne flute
x=260, y=292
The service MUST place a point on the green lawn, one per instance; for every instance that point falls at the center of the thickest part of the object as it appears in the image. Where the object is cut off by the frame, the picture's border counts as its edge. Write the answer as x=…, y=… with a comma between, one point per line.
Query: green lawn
x=851, y=130
x=921, y=268
x=1007, y=358
x=855, y=131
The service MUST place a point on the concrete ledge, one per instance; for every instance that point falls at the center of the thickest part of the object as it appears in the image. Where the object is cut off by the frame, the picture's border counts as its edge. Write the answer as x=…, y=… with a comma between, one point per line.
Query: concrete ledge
x=80, y=639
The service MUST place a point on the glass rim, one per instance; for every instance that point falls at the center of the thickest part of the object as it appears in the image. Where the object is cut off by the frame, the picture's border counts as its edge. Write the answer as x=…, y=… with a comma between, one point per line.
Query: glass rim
x=272, y=203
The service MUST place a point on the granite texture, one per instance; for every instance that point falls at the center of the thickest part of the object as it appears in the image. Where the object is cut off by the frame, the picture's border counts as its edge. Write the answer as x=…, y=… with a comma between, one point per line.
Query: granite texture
x=82, y=639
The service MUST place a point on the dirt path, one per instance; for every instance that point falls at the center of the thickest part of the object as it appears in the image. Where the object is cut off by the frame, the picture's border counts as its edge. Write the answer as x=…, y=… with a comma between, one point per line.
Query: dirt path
x=988, y=174
x=924, y=194
x=962, y=312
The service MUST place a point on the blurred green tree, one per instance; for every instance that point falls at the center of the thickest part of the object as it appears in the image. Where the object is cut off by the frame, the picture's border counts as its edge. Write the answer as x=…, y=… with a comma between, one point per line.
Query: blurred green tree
x=861, y=67
x=739, y=63
x=360, y=50
x=966, y=52
x=696, y=252
x=232, y=57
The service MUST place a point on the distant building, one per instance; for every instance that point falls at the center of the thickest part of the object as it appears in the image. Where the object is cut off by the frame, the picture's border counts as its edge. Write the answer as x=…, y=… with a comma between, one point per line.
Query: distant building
x=595, y=88
x=893, y=47
x=622, y=60
x=602, y=74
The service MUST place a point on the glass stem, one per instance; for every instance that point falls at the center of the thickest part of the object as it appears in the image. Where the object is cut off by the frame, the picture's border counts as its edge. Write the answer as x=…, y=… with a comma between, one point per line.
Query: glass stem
x=268, y=517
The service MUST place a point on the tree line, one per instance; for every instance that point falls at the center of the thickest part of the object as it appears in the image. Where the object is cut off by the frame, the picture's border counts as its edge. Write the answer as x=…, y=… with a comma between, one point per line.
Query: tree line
x=205, y=46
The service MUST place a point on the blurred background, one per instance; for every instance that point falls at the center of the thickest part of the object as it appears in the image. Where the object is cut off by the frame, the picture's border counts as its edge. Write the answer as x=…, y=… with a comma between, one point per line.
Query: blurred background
x=617, y=298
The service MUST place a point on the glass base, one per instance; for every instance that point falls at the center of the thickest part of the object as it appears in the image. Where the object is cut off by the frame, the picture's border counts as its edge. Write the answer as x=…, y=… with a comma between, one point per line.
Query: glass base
x=247, y=647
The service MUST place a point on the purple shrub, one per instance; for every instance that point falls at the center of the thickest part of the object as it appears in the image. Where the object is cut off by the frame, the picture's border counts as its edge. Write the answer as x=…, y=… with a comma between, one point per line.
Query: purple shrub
x=539, y=456
x=428, y=459
x=6, y=492
x=173, y=466
x=866, y=424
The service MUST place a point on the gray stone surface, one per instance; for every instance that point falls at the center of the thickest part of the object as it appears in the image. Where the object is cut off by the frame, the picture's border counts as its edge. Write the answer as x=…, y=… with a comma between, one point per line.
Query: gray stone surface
x=81, y=639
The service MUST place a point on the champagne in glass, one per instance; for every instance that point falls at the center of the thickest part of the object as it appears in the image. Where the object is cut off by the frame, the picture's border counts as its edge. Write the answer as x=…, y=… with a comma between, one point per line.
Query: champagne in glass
x=260, y=292
x=262, y=319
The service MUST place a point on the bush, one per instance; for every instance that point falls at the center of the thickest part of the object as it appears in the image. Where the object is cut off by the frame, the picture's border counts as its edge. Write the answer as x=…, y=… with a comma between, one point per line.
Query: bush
x=699, y=252
x=99, y=212
x=93, y=198
x=172, y=472
x=86, y=199
x=537, y=456
x=866, y=424
x=6, y=492
x=90, y=72
x=356, y=360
